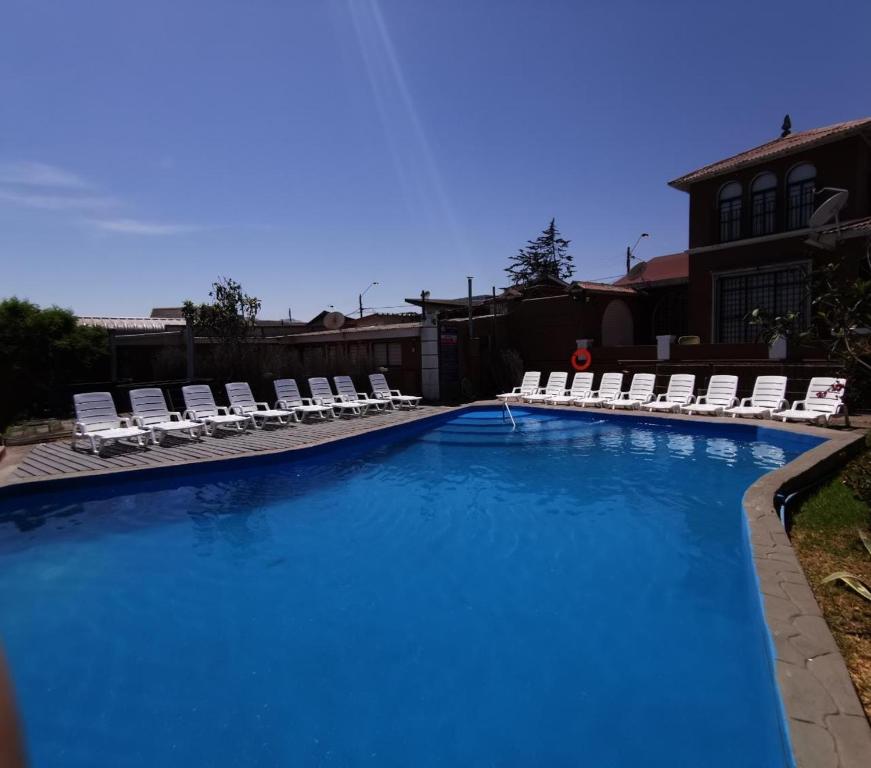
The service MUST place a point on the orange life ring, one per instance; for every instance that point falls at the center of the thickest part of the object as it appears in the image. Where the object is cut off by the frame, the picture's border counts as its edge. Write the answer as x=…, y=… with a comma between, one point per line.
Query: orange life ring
x=581, y=359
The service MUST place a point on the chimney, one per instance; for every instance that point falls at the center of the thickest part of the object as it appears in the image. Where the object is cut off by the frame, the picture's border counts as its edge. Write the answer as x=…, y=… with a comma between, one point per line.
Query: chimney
x=786, y=128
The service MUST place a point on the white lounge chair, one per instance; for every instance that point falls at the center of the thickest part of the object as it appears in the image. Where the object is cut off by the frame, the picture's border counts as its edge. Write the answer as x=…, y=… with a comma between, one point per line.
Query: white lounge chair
x=290, y=399
x=679, y=392
x=348, y=392
x=581, y=386
x=528, y=386
x=640, y=392
x=824, y=399
x=151, y=412
x=719, y=397
x=242, y=403
x=98, y=422
x=556, y=385
x=200, y=406
x=323, y=395
x=609, y=388
x=768, y=396
x=381, y=391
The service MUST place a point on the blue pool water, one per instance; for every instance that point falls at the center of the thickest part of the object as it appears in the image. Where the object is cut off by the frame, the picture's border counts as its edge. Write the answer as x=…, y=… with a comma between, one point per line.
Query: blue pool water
x=574, y=593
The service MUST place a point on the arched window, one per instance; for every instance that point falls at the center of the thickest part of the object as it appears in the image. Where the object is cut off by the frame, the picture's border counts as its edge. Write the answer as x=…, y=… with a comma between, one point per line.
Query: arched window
x=730, y=211
x=763, y=198
x=800, y=184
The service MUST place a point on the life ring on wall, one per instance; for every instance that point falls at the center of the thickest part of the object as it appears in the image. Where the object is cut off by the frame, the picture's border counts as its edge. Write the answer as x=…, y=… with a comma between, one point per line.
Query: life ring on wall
x=581, y=359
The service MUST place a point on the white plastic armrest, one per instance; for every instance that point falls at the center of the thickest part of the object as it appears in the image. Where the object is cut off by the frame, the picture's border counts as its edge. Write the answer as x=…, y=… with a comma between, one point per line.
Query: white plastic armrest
x=137, y=421
x=235, y=410
x=80, y=428
x=661, y=398
x=125, y=421
x=516, y=390
x=701, y=399
x=733, y=402
x=174, y=416
x=223, y=410
x=799, y=405
x=745, y=401
x=395, y=392
x=690, y=399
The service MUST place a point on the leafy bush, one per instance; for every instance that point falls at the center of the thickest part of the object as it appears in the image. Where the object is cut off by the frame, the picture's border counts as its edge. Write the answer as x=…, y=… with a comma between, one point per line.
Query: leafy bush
x=44, y=351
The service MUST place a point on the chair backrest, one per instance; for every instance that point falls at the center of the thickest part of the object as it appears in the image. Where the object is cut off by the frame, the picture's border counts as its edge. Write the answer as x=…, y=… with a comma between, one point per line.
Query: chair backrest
x=824, y=394
x=378, y=382
x=239, y=394
x=556, y=383
x=288, y=391
x=721, y=390
x=531, y=380
x=642, y=384
x=581, y=384
x=320, y=389
x=96, y=410
x=680, y=387
x=149, y=405
x=610, y=385
x=768, y=391
x=198, y=399
x=345, y=387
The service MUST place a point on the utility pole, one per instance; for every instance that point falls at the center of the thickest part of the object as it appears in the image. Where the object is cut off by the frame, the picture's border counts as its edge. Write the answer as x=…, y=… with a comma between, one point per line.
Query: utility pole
x=471, y=329
x=361, y=295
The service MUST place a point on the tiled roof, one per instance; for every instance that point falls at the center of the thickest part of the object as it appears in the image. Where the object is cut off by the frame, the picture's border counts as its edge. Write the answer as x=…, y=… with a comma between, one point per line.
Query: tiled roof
x=857, y=225
x=673, y=267
x=130, y=323
x=795, y=142
x=601, y=288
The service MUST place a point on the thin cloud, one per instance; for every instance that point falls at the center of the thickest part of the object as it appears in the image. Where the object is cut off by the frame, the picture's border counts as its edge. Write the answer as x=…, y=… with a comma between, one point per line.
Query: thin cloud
x=49, y=201
x=138, y=227
x=41, y=175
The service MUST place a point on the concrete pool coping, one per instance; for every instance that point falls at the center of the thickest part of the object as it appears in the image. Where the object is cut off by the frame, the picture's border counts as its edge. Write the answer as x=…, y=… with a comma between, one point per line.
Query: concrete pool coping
x=826, y=721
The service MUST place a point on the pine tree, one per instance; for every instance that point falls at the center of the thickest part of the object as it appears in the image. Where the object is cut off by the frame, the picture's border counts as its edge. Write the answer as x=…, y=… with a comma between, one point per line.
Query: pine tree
x=546, y=256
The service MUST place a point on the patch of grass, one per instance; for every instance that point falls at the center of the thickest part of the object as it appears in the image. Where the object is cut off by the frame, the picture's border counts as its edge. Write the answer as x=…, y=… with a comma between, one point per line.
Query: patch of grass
x=825, y=535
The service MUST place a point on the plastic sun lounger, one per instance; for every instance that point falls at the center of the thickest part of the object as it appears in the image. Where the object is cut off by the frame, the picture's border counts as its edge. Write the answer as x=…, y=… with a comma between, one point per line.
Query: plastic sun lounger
x=768, y=396
x=98, y=422
x=581, y=386
x=200, y=406
x=347, y=392
x=719, y=397
x=242, y=403
x=609, y=388
x=150, y=412
x=679, y=392
x=290, y=399
x=640, y=392
x=323, y=395
x=824, y=399
x=556, y=385
x=528, y=386
x=381, y=391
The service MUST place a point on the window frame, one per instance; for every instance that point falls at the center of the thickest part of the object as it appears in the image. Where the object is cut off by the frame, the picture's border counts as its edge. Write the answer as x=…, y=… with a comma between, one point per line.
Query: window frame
x=806, y=187
x=767, y=216
x=729, y=229
x=804, y=265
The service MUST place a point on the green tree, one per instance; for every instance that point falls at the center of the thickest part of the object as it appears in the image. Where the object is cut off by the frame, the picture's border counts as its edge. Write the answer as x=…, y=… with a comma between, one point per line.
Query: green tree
x=546, y=256
x=44, y=351
x=229, y=318
x=230, y=315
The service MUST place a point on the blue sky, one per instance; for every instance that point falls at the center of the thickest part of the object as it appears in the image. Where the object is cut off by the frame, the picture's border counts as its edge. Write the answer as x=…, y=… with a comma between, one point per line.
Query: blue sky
x=308, y=147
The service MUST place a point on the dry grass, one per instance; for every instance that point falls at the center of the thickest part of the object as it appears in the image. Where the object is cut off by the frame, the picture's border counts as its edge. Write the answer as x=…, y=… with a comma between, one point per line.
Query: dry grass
x=826, y=539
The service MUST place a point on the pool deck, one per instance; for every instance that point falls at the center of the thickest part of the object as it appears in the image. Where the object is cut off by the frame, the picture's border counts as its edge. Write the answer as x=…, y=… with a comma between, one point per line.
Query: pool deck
x=827, y=724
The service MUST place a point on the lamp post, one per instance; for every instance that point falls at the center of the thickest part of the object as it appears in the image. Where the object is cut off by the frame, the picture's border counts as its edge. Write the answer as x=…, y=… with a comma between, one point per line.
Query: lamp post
x=630, y=252
x=361, y=295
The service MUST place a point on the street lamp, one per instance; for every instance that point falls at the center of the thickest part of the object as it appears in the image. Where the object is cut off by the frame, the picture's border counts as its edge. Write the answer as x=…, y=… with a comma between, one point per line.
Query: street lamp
x=361, y=295
x=630, y=252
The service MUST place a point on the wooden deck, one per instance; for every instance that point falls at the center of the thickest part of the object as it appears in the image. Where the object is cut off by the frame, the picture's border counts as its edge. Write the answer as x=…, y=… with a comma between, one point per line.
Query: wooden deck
x=57, y=459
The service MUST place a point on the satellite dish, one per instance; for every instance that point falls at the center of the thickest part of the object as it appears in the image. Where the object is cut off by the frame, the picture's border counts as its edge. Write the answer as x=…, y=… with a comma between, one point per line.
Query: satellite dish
x=829, y=209
x=333, y=321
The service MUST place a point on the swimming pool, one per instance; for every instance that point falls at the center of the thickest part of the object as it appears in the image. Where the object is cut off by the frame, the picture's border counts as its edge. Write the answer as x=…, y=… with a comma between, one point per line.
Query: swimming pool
x=575, y=592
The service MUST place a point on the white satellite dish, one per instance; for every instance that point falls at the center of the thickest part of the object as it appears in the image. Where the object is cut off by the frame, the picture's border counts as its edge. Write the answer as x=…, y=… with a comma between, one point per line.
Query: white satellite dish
x=829, y=208
x=333, y=321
